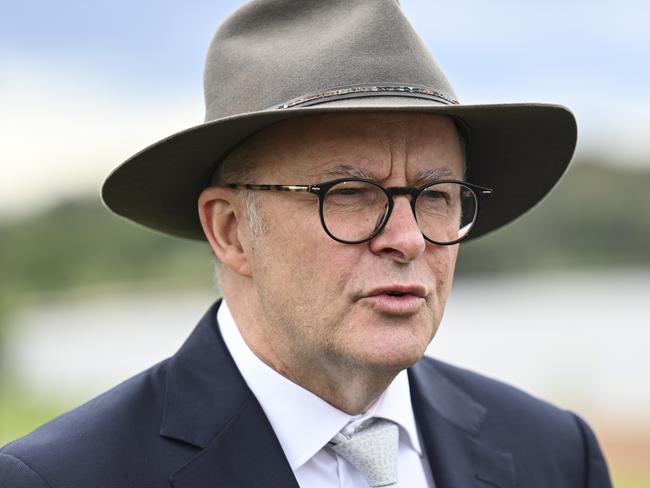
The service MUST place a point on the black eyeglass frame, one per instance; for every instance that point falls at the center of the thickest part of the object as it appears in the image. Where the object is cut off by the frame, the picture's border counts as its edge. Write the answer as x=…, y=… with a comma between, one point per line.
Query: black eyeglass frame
x=321, y=189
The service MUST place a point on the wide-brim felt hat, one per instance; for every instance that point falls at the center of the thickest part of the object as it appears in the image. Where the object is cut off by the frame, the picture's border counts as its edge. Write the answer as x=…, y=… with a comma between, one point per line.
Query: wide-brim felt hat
x=273, y=60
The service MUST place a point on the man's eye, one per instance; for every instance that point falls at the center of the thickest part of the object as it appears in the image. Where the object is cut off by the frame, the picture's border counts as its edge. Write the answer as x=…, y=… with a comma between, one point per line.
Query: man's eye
x=347, y=191
x=435, y=195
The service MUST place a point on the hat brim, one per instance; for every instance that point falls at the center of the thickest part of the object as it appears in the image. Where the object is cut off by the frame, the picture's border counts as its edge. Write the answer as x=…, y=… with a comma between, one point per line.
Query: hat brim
x=518, y=150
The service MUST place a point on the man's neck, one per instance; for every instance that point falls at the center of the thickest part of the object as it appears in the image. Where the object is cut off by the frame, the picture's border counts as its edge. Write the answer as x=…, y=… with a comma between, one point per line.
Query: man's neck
x=349, y=387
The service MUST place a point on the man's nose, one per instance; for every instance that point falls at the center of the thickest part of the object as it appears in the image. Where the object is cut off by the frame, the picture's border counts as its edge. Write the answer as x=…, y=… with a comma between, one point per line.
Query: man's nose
x=401, y=238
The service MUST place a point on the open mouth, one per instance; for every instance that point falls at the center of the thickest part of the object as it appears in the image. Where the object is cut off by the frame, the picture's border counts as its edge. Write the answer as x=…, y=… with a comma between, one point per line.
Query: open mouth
x=395, y=293
x=397, y=299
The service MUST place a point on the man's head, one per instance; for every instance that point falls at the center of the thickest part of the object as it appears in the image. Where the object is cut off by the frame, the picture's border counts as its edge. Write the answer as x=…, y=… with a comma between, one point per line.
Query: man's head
x=319, y=304
x=326, y=84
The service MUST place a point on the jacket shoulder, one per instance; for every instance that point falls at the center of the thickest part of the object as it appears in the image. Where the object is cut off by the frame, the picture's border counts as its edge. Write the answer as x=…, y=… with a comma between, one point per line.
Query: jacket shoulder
x=541, y=436
x=499, y=398
x=106, y=434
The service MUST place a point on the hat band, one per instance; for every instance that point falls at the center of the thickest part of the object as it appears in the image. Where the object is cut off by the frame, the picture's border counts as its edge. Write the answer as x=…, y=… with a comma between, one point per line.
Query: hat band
x=369, y=91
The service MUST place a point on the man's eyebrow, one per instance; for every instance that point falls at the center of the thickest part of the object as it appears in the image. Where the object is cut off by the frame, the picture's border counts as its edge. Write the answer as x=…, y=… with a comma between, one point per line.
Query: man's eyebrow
x=429, y=175
x=349, y=171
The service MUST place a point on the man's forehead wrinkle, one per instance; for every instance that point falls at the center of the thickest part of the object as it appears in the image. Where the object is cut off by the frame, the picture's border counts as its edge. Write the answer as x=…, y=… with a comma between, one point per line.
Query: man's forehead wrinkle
x=350, y=171
x=372, y=146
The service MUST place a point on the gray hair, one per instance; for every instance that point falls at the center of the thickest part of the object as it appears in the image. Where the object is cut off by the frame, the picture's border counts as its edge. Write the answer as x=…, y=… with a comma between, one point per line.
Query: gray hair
x=238, y=167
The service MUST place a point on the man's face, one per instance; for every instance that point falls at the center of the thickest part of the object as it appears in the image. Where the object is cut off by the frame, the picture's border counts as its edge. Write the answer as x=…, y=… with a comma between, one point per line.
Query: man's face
x=324, y=302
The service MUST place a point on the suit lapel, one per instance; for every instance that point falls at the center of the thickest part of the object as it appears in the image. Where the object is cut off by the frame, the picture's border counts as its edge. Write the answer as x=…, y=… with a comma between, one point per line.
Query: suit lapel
x=245, y=453
x=450, y=421
x=209, y=405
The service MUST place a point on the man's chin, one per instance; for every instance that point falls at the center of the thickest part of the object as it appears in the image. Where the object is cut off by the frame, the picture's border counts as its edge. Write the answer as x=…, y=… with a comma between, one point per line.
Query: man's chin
x=394, y=343
x=386, y=359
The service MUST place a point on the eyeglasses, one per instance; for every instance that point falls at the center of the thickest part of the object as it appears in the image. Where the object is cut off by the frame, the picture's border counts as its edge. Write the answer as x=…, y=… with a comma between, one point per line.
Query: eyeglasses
x=355, y=210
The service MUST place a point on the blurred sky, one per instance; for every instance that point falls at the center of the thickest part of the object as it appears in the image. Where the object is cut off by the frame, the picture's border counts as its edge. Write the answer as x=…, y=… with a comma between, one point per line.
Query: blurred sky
x=84, y=85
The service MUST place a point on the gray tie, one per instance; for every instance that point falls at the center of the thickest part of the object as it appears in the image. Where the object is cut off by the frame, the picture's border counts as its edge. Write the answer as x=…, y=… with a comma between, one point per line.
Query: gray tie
x=372, y=449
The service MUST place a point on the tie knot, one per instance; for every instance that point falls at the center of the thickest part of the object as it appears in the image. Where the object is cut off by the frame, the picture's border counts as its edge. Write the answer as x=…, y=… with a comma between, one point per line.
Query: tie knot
x=371, y=448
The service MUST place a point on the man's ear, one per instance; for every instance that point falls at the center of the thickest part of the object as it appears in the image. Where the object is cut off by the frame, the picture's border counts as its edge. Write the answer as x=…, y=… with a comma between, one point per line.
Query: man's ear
x=221, y=217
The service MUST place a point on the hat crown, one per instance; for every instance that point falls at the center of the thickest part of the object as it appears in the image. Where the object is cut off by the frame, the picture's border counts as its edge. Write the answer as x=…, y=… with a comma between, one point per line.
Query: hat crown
x=270, y=52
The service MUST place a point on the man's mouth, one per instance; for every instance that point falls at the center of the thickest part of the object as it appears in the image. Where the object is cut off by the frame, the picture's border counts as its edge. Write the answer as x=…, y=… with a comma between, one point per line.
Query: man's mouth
x=399, y=291
x=396, y=299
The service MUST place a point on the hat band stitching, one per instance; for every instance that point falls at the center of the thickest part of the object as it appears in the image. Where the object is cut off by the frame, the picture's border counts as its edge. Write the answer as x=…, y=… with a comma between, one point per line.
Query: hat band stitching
x=353, y=91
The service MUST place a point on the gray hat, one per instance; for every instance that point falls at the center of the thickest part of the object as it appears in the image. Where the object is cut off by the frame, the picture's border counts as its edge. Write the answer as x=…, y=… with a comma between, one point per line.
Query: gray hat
x=276, y=59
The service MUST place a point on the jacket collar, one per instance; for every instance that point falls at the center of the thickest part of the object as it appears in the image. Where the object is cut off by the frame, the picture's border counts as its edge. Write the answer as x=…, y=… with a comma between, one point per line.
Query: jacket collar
x=450, y=423
x=209, y=405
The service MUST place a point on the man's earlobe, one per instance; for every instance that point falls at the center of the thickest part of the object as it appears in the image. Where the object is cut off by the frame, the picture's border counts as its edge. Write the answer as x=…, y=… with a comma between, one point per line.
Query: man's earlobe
x=220, y=218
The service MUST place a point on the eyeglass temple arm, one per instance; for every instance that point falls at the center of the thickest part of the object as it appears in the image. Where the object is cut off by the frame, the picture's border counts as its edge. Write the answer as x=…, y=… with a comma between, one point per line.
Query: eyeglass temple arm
x=247, y=186
x=480, y=191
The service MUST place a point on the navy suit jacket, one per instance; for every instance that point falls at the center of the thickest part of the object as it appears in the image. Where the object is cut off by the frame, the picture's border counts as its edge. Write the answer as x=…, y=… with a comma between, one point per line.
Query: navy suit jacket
x=191, y=422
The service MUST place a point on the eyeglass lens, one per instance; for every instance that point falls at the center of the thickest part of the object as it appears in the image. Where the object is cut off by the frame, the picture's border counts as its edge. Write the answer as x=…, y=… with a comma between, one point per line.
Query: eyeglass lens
x=353, y=211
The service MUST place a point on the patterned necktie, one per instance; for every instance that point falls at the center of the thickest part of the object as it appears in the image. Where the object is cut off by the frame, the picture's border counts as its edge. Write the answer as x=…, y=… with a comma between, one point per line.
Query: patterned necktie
x=372, y=449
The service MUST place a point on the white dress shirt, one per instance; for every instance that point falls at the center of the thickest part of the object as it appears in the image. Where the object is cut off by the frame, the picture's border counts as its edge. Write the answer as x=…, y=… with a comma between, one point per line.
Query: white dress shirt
x=304, y=423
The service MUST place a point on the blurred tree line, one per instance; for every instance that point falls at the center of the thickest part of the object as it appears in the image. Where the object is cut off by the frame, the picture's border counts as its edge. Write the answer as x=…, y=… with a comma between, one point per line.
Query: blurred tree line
x=596, y=217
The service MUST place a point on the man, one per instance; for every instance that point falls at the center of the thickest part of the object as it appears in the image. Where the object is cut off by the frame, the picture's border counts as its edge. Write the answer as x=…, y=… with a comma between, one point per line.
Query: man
x=334, y=178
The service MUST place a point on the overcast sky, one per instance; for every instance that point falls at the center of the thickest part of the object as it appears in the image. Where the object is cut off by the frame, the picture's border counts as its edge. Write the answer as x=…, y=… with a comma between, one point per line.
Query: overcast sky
x=84, y=85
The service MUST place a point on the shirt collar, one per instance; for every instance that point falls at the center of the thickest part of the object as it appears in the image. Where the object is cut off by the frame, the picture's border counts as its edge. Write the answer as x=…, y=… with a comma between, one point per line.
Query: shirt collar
x=303, y=422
